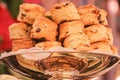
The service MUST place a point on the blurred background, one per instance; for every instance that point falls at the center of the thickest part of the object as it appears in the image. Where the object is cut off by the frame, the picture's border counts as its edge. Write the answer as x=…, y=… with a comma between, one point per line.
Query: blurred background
x=9, y=10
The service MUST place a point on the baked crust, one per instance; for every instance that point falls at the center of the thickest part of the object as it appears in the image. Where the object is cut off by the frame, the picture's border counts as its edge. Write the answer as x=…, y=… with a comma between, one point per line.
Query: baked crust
x=44, y=28
x=29, y=12
x=64, y=11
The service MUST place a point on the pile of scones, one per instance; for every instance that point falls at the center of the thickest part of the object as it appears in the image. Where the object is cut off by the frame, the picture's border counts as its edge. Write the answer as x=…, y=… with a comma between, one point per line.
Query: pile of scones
x=84, y=28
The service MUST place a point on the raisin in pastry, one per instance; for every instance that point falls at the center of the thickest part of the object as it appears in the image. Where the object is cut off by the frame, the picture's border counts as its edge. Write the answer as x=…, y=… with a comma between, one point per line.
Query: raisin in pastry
x=29, y=12
x=44, y=28
x=19, y=31
x=64, y=11
x=68, y=28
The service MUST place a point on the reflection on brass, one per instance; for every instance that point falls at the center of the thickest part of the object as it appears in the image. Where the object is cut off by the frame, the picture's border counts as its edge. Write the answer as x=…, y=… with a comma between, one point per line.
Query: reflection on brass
x=65, y=62
x=73, y=64
x=67, y=65
x=61, y=63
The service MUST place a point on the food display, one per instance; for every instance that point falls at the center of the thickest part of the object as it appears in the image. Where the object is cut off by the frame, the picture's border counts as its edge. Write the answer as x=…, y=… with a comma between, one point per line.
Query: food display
x=83, y=29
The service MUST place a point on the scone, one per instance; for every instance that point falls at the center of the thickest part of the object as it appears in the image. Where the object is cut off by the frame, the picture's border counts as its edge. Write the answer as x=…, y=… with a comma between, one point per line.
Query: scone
x=64, y=11
x=77, y=42
x=103, y=17
x=97, y=33
x=103, y=47
x=29, y=12
x=47, y=44
x=19, y=31
x=18, y=44
x=68, y=28
x=44, y=28
x=89, y=14
x=88, y=9
x=89, y=19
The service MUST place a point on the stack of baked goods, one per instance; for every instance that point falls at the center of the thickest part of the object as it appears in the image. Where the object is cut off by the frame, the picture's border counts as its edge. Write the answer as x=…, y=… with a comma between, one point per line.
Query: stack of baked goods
x=84, y=28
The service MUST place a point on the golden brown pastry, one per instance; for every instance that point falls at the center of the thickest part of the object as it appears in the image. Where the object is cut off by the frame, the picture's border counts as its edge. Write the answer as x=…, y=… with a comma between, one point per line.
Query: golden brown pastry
x=68, y=28
x=103, y=17
x=44, y=28
x=64, y=11
x=89, y=14
x=48, y=15
x=47, y=44
x=29, y=12
x=19, y=30
x=88, y=9
x=97, y=33
x=89, y=19
x=77, y=41
x=18, y=44
x=109, y=35
x=103, y=47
